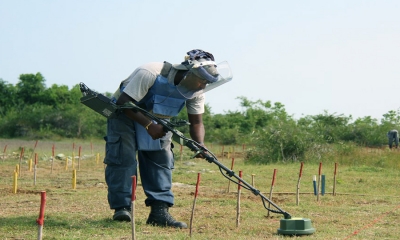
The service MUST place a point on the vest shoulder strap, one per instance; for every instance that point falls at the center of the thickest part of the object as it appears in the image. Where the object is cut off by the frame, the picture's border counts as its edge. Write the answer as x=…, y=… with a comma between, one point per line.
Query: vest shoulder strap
x=166, y=68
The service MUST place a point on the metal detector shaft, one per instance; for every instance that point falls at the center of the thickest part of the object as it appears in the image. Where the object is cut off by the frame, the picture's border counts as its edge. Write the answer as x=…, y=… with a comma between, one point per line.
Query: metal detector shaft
x=230, y=173
x=208, y=155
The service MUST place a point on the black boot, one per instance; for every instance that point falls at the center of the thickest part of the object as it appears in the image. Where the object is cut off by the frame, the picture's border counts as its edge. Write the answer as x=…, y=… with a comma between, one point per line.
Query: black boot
x=159, y=216
x=122, y=214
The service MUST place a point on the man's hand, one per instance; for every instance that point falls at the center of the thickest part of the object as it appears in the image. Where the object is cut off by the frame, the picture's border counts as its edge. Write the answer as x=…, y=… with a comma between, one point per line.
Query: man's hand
x=156, y=131
x=200, y=155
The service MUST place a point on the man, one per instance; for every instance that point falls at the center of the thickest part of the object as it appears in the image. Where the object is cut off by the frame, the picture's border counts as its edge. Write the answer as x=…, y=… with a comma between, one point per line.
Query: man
x=163, y=89
x=393, y=136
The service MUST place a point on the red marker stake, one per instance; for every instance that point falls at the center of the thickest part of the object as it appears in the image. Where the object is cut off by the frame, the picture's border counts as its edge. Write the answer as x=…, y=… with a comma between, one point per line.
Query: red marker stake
x=133, y=198
x=298, y=184
x=319, y=179
x=40, y=220
x=181, y=152
x=334, y=180
x=194, y=203
x=272, y=188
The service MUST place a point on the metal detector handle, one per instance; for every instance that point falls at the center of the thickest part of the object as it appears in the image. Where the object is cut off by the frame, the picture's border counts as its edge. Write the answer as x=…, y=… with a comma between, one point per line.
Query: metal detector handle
x=135, y=108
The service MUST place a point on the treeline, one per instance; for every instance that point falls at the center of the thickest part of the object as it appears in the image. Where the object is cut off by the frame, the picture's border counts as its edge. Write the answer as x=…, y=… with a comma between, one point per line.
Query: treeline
x=31, y=110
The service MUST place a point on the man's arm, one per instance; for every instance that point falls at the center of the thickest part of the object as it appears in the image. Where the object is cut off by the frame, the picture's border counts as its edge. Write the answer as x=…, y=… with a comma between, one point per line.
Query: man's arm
x=154, y=130
x=196, y=127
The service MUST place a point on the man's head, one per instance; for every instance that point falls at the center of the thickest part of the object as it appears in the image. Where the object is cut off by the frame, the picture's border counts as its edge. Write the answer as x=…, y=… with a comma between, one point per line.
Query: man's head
x=201, y=63
x=192, y=82
x=202, y=73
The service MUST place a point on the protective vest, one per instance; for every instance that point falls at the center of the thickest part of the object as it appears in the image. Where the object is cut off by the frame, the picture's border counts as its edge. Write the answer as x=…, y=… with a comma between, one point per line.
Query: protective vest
x=163, y=99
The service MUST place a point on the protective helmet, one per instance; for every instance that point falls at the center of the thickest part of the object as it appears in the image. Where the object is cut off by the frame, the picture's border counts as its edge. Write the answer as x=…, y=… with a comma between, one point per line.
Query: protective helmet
x=202, y=65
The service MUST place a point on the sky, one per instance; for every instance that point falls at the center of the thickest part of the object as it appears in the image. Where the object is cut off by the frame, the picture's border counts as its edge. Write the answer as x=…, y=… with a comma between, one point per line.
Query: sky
x=341, y=57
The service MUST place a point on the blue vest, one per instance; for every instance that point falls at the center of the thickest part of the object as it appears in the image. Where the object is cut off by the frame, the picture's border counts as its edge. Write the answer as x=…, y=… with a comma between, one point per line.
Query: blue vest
x=165, y=101
x=163, y=98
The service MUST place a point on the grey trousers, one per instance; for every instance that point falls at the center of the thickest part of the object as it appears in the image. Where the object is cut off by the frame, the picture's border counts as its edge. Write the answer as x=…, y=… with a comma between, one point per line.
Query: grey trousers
x=155, y=166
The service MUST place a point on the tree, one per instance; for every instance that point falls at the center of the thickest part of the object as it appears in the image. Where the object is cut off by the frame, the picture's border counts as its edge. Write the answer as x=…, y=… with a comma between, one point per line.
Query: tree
x=330, y=127
x=391, y=119
x=366, y=132
x=30, y=88
x=7, y=97
x=57, y=96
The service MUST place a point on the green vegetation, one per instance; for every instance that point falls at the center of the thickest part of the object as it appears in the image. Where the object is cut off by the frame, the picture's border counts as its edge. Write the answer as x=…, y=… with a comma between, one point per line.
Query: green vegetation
x=366, y=205
x=30, y=110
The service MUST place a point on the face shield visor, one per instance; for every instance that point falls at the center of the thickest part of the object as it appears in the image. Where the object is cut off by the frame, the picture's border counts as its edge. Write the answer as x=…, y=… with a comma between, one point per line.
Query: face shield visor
x=204, y=76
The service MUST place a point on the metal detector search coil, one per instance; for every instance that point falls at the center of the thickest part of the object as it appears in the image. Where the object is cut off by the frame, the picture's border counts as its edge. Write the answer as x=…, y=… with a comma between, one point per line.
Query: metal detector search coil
x=296, y=226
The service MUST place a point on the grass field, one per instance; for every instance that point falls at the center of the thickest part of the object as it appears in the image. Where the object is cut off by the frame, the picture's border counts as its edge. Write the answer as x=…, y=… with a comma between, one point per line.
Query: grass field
x=366, y=206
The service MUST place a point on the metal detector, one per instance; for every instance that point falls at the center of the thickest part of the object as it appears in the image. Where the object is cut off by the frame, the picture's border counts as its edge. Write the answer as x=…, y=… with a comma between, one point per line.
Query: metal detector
x=288, y=225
